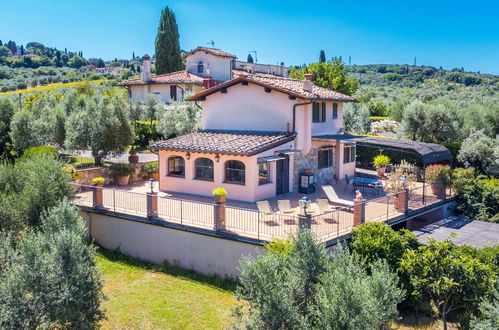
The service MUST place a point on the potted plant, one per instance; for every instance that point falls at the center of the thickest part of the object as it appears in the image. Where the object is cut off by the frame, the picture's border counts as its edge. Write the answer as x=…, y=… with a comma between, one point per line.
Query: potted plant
x=152, y=168
x=439, y=177
x=98, y=181
x=121, y=173
x=397, y=182
x=380, y=162
x=219, y=195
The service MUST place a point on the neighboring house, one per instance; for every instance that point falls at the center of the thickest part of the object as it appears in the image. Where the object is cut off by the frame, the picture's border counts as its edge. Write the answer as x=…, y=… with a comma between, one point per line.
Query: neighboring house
x=205, y=68
x=260, y=132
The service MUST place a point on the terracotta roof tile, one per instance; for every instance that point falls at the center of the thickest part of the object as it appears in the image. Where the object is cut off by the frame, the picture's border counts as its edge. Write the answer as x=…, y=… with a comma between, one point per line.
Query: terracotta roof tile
x=179, y=77
x=289, y=86
x=212, y=51
x=225, y=142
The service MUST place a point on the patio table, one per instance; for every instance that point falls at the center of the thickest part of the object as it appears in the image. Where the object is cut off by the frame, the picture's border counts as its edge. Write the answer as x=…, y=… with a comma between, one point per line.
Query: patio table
x=367, y=183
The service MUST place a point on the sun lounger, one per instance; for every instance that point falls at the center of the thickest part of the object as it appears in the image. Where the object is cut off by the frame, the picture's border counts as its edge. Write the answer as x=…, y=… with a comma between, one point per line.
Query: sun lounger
x=264, y=207
x=284, y=206
x=333, y=197
x=323, y=205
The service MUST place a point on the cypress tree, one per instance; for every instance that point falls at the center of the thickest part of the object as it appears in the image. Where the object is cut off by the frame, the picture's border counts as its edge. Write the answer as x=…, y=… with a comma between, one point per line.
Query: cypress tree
x=322, y=57
x=250, y=59
x=168, y=58
x=133, y=55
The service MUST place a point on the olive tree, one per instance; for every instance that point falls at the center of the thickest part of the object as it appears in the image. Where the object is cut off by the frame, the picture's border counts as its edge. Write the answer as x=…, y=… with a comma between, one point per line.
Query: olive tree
x=49, y=278
x=489, y=312
x=356, y=118
x=101, y=125
x=297, y=285
x=481, y=152
x=29, y=187
x=178, y=118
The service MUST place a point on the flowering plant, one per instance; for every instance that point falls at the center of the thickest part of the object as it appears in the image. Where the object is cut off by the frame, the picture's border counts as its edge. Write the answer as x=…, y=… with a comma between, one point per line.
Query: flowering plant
x=439, y=173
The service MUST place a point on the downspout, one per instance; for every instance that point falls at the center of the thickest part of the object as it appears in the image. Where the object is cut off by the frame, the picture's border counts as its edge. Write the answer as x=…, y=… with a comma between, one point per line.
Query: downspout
x=294, y=112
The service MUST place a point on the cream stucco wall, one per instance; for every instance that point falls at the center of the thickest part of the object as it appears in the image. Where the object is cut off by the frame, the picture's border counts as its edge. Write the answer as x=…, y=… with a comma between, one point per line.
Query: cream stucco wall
x=330, y=126
x=219, y=68
x=140, y=92
x=251, y=191
x=205, y=254
x=248, y=107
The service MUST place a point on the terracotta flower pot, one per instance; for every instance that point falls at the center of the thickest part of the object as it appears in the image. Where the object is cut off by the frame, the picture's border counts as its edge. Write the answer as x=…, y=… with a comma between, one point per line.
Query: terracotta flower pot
x=381, y=171
x=220, y=199
x=133, y=157
x=123, y=180
x=155, y=176
x=437, y=189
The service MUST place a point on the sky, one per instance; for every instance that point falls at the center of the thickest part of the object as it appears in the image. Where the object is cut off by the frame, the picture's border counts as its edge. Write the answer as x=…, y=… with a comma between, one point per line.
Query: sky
x=438, y=33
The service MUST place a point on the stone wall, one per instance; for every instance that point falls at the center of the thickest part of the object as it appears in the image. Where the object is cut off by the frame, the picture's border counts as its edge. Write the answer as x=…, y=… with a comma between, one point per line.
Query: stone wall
x=309, y=161
x=105, y=172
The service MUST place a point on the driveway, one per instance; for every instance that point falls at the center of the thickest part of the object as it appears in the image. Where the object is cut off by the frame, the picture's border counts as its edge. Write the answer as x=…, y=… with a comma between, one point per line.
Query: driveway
x=468, y=232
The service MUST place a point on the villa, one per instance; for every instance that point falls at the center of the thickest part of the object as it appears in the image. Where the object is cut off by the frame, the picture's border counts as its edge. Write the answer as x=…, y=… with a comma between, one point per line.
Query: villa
x=205, y=68
x=261, y=132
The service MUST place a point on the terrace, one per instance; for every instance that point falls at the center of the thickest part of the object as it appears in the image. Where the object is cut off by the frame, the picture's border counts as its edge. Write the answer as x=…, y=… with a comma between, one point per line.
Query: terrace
x=244, y=220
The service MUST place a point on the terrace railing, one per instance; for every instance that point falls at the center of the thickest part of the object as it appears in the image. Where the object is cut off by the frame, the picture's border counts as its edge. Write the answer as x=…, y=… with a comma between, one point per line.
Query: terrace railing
x=251, y=223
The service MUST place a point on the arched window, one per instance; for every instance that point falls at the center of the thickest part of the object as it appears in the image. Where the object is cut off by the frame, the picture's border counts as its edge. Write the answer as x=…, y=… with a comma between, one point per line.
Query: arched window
x=204, y=169
x=176, y=166
x=235, y=172
x=200, y=67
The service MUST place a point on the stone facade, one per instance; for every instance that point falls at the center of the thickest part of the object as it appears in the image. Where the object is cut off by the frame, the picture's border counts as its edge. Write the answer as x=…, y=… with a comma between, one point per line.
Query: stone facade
x=310, y=161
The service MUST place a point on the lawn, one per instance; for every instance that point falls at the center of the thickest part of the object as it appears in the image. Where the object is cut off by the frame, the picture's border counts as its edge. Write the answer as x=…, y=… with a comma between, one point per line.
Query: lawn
x=143, y=295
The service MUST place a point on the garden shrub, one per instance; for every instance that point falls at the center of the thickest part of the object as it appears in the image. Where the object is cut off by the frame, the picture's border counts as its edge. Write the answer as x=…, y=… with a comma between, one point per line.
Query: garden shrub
x=151, y=167
x=377, y=240
x=477, y=197
x=40, y=150
x=298, y=286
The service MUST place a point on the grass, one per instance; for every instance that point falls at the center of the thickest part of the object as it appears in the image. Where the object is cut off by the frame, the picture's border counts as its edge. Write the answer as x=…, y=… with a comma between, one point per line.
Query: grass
x=80, y=162
x=144, y=295
x=53, y=87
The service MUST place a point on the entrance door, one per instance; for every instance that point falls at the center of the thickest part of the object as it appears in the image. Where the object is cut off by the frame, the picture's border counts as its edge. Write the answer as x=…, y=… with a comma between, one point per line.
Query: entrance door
x=282, y=176
x=173, y=92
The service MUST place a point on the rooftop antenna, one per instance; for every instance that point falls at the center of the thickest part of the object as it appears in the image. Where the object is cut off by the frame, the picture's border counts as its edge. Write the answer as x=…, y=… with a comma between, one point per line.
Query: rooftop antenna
x=253, y=51
x=212, y=43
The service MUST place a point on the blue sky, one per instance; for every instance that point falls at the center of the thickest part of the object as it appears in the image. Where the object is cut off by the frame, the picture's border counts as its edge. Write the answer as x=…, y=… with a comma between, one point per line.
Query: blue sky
x=438, y=33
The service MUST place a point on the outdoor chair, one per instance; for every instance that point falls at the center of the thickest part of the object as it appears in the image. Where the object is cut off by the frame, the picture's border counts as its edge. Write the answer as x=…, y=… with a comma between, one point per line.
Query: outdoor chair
x=323, y=205
x=268, y=213
x=325, y=209
x=264, y=207
x=285, y=206
x=333, y=197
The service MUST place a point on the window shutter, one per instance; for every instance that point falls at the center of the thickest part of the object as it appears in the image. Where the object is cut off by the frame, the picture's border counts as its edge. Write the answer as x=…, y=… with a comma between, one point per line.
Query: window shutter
x=315, y=113
x=335, y=110
x=323, y=119
x=352, y=155
x=330, y=156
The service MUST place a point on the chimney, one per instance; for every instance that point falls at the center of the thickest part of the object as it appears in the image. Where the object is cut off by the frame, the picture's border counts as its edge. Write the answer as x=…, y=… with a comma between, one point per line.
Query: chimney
x=146, y=68
x=307, y=82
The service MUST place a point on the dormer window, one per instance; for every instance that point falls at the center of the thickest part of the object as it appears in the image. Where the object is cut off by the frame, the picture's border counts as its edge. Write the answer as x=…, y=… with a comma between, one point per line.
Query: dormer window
x=200, y=67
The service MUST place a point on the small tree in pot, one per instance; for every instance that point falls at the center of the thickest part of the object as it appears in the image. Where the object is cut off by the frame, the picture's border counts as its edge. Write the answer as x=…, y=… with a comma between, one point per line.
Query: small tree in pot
x=398, y=181
x=121, y=173
x=439, y=177
x=219, y=194
x=380, y=162
x=152, y=168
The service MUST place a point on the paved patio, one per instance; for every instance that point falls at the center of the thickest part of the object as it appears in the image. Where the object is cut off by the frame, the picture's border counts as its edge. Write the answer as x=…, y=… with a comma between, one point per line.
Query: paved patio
x=243, y=219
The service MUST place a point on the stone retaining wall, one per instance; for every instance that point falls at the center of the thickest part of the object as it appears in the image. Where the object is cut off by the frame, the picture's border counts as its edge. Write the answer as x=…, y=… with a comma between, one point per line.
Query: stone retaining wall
x=105, y=172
